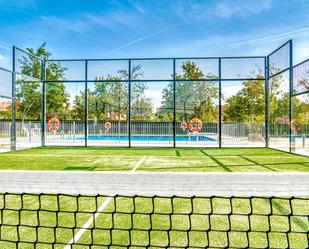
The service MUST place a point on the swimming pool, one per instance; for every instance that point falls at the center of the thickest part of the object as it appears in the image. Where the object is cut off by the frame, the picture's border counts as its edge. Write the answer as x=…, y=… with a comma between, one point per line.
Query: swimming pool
x=144, y=138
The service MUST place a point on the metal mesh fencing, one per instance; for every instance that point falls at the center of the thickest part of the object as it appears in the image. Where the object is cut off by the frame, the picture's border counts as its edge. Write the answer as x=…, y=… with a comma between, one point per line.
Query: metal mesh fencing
x=301, y=77
x=5, y=83
x=27, y=64
x=174, y=91
x=6, y=77
x=279, y=60
x=300, y=110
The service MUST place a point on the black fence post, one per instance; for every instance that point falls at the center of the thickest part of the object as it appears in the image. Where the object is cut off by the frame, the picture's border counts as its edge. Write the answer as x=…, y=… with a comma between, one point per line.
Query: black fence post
x=86, y=103
x=129, y=102
x=219, y=104
x=266, y=96
x=174, y=103
x=13, y=124
x=43, y=111
x=292, y=137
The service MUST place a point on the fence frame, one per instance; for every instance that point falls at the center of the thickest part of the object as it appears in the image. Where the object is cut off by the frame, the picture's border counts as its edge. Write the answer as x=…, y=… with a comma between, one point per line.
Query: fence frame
x=129, y=80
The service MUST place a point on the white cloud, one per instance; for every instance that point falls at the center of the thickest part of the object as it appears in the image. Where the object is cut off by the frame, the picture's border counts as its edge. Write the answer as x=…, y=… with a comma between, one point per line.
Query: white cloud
x=18, y=4
x=273, y=37
x=249, y=43
x=221, y=9
x=4, y=47
x=112, y=19
x=231, y=8
x=134, y=42
x=138, y=7
x=63, y=24
x=1, y=56
x=84, y=22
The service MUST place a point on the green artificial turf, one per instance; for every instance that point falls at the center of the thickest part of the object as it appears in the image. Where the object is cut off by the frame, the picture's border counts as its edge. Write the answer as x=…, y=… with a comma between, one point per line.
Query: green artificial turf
x=49, y=220
x=157, y=159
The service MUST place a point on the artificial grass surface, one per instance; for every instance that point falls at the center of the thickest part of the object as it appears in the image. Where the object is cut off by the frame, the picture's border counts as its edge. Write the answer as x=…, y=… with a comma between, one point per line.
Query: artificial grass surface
x=49, y=221
x=157, y=159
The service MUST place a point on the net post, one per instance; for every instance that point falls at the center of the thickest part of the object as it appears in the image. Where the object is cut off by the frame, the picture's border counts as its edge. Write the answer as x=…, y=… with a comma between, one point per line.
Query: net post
x=292, y=138
x=43, y=106
x=129, y=101
x=174, y=103
x=266, y=77
x=219, y=104
x=13, y=125
x=86, y=103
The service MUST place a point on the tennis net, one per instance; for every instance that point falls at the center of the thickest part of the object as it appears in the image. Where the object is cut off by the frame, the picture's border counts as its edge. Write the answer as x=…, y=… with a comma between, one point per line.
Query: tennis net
x=144, y=211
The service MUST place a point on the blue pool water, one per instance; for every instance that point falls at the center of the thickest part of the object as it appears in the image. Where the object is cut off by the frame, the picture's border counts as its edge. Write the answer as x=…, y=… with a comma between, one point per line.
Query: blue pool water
x=145, y=138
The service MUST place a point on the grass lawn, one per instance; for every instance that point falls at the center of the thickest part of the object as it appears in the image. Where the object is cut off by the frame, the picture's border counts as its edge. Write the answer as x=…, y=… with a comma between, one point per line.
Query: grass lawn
x=160, y=222
x=51, y=221
x=157, y=159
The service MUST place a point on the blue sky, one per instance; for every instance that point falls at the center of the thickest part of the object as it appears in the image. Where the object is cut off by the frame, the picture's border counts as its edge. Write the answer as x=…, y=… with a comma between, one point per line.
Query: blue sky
x=162, y=28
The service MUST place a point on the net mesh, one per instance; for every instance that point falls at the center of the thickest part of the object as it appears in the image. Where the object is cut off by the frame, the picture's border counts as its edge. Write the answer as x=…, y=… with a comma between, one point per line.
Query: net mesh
x=301, y=78
x=121, y=221
x=5, y=83
x=28, y=65
x=279, y=60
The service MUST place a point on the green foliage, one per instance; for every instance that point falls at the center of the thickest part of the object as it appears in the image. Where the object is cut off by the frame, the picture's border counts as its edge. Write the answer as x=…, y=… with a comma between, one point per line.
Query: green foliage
x=6, y=114
x=279, y=104
x=57, y=101
x=303, y=114
x=247, y=105
x=190, y=71
x=141, y=106
x=142, y=109
x=29, y=90
x=193, y=98
x=109, y=98
x=28, y=95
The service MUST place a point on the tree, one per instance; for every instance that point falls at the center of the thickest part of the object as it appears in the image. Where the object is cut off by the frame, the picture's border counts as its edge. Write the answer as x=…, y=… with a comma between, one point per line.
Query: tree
x=109, y=98
x=303, y=83
x=247, y=105
x=141, y=106
x=57, y=101
x=194, y=98
x=283, y=107
x=28, y=96
x=279, y=102
x=29, y=89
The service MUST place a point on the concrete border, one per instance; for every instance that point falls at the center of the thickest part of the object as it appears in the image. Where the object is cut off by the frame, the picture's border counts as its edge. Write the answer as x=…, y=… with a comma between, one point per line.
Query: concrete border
x=152, y=183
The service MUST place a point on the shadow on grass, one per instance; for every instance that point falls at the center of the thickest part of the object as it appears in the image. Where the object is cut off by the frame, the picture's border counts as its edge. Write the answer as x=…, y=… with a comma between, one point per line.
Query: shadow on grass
x=305, y=164
x=79, y=168
x=210, y=166
x=217, y=161
x=256, y=163
x=302, y=225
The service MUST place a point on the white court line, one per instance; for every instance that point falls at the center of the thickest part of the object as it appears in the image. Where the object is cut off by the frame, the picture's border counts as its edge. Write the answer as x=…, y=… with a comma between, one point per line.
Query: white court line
x=138, y=164
x=87, y=224
x=84, y=228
